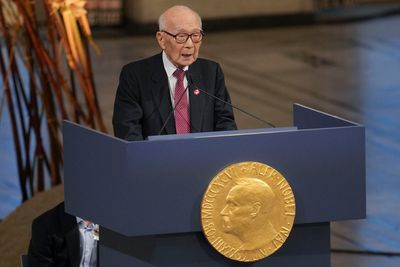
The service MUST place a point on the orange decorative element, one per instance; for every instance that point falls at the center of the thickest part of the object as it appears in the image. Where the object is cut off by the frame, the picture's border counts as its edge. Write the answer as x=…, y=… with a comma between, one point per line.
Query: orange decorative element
x=10, y=13
x=74, y=12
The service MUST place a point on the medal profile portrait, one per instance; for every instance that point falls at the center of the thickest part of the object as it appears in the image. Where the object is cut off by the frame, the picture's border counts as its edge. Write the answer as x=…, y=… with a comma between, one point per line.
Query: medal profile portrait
x=248, y=211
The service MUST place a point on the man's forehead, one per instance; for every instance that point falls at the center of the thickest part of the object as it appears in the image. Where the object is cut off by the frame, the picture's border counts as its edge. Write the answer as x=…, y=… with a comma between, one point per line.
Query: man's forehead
x=182, y=20
x=183, y=24
x=237, y=192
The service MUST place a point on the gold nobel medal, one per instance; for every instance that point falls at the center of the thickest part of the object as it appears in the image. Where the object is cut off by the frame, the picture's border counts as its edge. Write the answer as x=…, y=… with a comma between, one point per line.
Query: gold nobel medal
x=248, y=211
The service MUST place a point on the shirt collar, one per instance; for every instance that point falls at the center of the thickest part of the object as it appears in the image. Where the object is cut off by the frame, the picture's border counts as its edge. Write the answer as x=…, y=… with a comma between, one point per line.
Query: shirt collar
x=168, y=66
x=81, y=224
x=78, y=219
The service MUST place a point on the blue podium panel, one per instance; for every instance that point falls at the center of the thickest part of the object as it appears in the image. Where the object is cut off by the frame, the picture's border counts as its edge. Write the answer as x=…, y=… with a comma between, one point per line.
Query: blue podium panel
x=308, y=118
x=146, y=195
x=149, y=182
x=307, y=245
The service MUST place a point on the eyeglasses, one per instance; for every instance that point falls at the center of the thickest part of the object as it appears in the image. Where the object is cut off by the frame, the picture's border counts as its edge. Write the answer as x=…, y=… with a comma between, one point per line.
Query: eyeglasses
x=181, y=38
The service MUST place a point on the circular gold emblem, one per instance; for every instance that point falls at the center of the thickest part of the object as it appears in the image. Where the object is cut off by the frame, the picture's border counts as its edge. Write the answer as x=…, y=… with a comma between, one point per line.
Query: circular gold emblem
x=248, y=211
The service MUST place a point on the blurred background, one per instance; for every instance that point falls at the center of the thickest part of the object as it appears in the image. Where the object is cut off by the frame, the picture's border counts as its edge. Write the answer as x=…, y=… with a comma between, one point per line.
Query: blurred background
x=341, y=57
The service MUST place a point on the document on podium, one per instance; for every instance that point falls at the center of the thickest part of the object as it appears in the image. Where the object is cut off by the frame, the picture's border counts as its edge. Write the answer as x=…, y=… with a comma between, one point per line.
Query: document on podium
x=220, y=133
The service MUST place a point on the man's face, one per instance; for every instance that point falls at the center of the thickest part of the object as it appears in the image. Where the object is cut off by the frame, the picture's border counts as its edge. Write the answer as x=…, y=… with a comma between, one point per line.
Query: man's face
x=184, y=54
x=236, y=215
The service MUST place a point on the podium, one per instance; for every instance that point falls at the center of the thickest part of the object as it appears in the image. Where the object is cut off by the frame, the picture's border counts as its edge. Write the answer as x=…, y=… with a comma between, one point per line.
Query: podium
x=148, y=205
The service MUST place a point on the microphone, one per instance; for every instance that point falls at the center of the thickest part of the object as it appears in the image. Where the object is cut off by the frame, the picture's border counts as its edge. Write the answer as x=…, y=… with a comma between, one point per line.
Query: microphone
x=190, y=81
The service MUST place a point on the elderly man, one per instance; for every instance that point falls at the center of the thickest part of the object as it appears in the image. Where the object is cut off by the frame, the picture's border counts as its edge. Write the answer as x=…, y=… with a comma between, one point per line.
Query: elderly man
x=173, y=92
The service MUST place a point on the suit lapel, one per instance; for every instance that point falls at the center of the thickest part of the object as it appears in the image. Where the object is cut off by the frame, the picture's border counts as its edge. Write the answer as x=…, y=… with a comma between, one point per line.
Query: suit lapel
x=162, y=97
x=196, y=99
x=71, y=232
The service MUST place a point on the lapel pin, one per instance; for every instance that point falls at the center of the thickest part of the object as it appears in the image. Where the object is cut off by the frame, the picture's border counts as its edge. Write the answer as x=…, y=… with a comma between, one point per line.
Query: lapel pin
x=196, y=91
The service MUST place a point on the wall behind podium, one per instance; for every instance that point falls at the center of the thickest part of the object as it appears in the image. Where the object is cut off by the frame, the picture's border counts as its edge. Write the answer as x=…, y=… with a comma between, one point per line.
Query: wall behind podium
x=147, y=11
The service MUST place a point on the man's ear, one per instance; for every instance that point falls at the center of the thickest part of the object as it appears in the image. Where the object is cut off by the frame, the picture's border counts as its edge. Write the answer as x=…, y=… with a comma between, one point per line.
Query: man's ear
x=255, y=209
x=160, y=39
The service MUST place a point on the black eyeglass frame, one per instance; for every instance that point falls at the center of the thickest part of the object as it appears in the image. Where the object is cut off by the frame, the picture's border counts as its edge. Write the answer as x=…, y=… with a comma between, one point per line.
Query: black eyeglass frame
x=187, y=36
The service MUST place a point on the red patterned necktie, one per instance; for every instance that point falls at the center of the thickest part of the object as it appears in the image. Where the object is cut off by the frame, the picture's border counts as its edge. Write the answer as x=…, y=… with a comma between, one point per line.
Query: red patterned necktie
x=182, y=119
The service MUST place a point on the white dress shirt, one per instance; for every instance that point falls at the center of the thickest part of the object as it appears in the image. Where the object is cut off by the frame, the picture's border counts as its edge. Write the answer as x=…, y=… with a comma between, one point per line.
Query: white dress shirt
x=170, y=69
x=88, y=245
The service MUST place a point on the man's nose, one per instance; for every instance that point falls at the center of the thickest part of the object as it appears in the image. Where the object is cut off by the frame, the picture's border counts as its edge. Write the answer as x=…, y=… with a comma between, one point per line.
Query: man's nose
x=223, y=212
x=189, y=43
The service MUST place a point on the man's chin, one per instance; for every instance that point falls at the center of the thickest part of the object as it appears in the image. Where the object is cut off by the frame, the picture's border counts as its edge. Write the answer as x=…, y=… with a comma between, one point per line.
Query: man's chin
x=186, y=62
x=226, y=229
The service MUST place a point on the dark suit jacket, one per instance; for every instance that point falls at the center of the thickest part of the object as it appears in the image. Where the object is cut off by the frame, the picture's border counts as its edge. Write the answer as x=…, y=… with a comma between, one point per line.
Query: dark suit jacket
x=143, y=103
x=55, y=239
